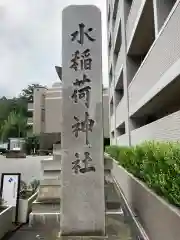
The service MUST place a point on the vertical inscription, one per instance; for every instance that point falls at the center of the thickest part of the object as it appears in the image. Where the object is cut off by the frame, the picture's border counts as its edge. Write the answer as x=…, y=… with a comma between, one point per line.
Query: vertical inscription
x=82, y=61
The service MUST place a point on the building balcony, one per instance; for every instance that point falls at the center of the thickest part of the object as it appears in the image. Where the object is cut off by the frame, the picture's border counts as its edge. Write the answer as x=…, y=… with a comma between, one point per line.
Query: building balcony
x=120, y=112
x=30, y=121
x=117, y=22
x=119, y=65
x=160, y=67
x=133, y=19
x=164, y=129
x=30, y=107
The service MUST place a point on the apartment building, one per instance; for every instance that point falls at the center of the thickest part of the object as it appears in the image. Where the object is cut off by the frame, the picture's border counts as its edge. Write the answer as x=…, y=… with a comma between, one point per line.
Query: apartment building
x=45, y=112
x=144, y=70
x=46, y=115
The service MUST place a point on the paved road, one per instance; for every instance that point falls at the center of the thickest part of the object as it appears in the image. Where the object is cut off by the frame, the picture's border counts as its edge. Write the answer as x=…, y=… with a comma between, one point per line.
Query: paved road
x=29, y=167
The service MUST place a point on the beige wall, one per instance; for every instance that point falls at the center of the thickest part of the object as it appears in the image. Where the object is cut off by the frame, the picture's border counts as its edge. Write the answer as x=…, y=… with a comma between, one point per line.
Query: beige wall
x=38, y=106
x=53, y=115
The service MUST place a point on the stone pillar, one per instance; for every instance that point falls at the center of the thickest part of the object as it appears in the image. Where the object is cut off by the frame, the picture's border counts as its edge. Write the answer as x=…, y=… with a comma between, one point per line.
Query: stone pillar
x=83, y=207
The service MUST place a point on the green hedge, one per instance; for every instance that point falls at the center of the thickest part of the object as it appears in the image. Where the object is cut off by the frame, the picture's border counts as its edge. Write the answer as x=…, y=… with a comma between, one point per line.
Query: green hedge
x=155, y=163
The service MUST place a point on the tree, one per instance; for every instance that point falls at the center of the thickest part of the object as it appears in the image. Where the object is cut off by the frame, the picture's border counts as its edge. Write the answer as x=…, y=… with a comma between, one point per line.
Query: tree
x=15, y=110
x=14, y=126
x=27, y=93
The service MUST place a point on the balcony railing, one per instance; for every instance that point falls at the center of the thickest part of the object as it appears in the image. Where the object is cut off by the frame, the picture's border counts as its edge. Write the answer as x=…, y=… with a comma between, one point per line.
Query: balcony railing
x=164, y=129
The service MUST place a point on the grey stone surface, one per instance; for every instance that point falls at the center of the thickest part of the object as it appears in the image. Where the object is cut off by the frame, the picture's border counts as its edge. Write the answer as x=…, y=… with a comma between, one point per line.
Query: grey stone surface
x=108, y=164
x=46, y=207
x=49, y=193
x=51, y=182
x=48, y=200
x=48, y=229
x=83, y=208
x=56, y=148
x=51, y=165
x=52, y=175
x=57, y=157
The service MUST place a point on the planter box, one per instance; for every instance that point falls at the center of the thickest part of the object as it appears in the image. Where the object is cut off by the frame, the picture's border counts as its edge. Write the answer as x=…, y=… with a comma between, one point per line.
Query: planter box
x=6, y=221
x=25, y=207
x=159, y=219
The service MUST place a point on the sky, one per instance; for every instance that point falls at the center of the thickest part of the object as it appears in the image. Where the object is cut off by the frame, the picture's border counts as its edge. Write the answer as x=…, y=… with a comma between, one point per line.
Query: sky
x=30, y=42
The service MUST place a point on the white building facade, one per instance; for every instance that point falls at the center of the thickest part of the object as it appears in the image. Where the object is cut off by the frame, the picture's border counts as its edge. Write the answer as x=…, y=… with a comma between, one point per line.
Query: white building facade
x=144, y=70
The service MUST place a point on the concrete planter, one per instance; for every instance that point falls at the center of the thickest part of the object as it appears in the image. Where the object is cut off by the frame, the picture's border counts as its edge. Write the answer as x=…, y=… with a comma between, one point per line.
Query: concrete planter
x=159, y=219
x=25, y=207
x=6, y=220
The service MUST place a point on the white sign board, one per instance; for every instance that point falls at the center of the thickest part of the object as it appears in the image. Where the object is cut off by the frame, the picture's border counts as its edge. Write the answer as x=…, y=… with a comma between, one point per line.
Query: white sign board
x=10, y=186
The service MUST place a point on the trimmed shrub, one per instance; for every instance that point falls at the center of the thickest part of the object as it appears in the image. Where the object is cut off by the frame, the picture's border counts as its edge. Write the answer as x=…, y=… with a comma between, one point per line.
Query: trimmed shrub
x=155, y=163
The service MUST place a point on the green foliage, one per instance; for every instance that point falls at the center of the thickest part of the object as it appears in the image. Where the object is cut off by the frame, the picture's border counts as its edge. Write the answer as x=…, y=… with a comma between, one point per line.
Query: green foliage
x=27, y=93
x=14, y=126
x=15, y=110
x=155, y=163
x=27, y=190
x=34, y=184
x=32, y=142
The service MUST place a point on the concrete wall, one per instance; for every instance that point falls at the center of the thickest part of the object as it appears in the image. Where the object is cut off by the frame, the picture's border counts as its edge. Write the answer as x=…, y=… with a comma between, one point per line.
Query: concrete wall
x=159, y=219
x=6, y=221
x=53, y=113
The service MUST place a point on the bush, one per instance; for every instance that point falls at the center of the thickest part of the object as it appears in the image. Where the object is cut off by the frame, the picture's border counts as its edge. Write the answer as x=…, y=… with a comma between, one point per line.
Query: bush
x=155, y=163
